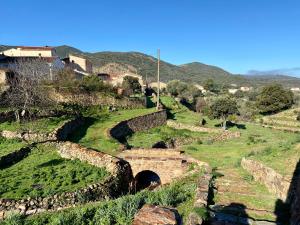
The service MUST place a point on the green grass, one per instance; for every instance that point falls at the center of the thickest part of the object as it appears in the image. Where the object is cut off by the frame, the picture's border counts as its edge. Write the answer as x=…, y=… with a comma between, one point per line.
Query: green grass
x=146, y=139
x=96, y=136
x=43, y=125
x=9, y=145
x=283, y=158
x=120, y=211
x=45, y=173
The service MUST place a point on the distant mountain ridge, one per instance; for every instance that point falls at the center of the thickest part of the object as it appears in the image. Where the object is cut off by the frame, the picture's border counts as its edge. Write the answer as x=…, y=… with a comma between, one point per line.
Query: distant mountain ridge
x=194, y=72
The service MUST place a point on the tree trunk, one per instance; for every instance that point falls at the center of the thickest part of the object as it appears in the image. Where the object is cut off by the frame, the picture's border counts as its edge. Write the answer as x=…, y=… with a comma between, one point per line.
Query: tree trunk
x=224, y=123
x=17, y=116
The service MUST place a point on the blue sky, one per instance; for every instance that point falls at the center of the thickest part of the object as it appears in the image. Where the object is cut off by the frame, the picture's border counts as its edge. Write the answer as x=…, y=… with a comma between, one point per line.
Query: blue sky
x=237, y=35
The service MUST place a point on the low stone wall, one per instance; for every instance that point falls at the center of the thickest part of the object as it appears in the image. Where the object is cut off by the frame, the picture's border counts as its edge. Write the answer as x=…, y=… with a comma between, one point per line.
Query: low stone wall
x=14, y=157
x=226, y=135
x=140, y=123
x=220, y=135
x=117, y=184
x=30, y=206
x=177, y=125
x=118, y=168
x=102, y=100
x=59, y=134
x=274, y=181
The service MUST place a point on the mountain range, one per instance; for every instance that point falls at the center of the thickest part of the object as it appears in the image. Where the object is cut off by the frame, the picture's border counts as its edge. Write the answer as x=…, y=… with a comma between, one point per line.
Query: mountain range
x=194, y=72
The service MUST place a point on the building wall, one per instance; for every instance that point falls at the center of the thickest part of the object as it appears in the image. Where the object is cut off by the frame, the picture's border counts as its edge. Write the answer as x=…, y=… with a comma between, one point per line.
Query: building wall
x=19, y=52
x=84, y=64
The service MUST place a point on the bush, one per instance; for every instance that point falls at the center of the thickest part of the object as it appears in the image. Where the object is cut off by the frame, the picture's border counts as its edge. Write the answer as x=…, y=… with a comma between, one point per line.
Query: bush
x=274, y=98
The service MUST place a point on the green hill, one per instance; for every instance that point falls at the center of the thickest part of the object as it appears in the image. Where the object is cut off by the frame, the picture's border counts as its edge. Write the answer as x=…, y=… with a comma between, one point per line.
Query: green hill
x=146, y=66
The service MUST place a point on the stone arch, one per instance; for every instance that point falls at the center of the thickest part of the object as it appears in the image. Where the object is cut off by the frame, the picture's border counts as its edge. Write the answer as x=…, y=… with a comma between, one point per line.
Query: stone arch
x=146, y=179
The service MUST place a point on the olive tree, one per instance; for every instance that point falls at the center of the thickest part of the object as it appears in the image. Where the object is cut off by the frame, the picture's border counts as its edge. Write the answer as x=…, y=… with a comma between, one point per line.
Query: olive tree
x=222, y=108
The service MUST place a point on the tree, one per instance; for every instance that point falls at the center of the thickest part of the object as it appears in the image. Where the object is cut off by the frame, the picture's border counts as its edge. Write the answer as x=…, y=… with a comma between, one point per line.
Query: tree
x=210, y=85
x=26, y=86
x=274, y=98
x=95, y=84
x=221, y=108
x=200, y=104
x=176, y=87
x=131, y=85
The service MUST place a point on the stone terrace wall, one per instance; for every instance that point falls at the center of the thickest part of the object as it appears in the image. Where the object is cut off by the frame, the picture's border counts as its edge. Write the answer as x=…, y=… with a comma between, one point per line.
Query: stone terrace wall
x=177, y=125
x=274, y=181
x=140, y=123
x=117, y=184
x=30, y=206
x=59, y=134
x=119, y=168
x=16, y=156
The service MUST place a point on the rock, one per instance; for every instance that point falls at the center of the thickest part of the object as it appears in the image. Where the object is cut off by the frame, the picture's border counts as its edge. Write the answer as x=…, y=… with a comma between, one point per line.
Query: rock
x=150, y=215
x=194, y=219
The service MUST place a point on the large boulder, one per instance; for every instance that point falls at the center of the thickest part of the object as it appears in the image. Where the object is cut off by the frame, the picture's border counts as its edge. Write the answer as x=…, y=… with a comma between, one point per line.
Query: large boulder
x=156, y=215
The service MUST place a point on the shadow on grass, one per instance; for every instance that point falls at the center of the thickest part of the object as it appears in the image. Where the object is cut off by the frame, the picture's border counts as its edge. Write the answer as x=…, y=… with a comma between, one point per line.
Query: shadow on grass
x=230, y=124
x=77, y=135
x=52, y=162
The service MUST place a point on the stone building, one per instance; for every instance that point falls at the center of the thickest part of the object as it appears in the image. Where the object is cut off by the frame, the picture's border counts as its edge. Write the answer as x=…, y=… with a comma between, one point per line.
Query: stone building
x=79, y=64
x=27, y=51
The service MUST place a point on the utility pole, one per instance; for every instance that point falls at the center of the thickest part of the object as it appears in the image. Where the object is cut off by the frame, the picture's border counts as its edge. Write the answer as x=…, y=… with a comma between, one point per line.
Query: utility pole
x=158, y=82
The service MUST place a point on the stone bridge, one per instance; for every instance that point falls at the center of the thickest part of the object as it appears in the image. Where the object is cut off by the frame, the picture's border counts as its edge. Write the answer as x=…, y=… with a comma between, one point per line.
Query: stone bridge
x=158, y=165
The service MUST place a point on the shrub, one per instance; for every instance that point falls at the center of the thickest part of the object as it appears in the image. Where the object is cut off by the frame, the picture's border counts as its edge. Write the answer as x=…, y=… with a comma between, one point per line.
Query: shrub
x=274, y=98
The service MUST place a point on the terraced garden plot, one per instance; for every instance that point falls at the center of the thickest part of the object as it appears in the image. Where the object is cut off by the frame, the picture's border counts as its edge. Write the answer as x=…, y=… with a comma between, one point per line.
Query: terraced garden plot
x=45, y=173
x=43, y=125
x=9, y=146
x=286, y=120
x=236, y=184
x=120, y=211
x=147, y=139
x=183, y=115
x=282, y=158
x=96, y=136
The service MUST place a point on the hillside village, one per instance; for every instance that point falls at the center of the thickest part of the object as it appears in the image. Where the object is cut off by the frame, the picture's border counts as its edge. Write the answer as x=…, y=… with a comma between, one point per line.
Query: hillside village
x=98, y=143
x=112, y=72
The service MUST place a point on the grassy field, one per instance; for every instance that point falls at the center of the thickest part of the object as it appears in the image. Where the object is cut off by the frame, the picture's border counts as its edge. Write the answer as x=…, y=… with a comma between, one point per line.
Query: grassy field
x=285, y=120
x=147, y=138
x=122, y=210
x=95, y=134
x=45, y=173
x=43, y=125
x=8, y=146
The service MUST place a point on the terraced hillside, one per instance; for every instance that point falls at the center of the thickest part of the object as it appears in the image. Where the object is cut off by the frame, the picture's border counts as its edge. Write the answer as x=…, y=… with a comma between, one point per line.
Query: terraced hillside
x=286, y=120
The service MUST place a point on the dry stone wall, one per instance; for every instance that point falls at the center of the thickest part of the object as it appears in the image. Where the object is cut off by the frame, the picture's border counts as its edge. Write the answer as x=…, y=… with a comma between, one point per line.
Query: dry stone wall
x=177, y=125
x=30, y=206
x=59, y=134
x=116, y=184
x=118, y=168
x=275, y=182
x=140, y=123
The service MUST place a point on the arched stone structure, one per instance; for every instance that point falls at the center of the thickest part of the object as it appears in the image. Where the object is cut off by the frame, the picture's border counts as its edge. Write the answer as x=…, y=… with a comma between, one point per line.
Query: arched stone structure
x=146, y=179
x=168, y=164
